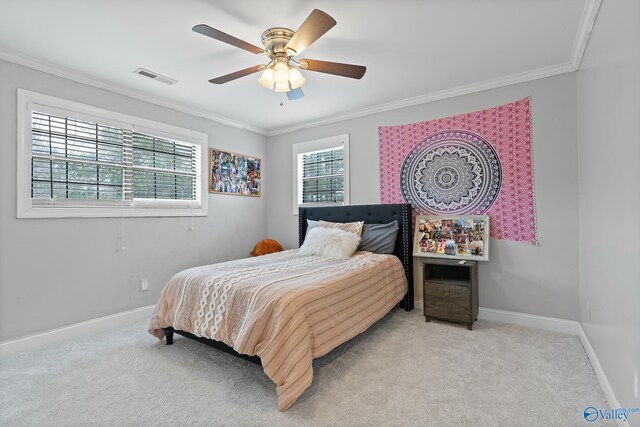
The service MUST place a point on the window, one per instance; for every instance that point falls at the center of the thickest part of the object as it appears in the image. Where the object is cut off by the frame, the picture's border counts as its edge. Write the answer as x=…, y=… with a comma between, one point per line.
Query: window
x=321, y=172
x=76, y=160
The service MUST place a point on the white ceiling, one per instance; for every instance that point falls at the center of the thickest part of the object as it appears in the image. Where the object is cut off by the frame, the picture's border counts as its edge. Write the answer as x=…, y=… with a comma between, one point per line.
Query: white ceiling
x=411, y=48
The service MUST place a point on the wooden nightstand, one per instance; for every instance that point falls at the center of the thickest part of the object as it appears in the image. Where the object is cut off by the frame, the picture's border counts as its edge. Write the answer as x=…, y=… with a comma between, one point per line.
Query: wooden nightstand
x=450, y=290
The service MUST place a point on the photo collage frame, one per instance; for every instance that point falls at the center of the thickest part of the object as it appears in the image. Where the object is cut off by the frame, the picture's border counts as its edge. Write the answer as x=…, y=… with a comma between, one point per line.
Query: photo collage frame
x=454, y=237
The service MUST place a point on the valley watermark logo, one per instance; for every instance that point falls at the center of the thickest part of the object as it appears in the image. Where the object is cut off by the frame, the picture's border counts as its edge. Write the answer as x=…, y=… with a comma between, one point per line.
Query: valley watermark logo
x=592, y=414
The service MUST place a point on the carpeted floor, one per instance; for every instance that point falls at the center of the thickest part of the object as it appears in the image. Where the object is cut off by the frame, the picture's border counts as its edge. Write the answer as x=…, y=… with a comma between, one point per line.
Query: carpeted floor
x=402, y=371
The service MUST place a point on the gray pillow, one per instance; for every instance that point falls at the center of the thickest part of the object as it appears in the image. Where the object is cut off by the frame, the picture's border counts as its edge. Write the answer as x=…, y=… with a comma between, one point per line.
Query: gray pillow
x=379, y=238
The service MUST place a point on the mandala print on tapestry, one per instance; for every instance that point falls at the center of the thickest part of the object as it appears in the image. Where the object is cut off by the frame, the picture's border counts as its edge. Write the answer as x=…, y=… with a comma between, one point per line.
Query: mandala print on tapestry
x=452, y=172
x=475, y=163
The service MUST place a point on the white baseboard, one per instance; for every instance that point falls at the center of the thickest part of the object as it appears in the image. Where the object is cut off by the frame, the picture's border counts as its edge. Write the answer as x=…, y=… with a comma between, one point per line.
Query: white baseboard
x=597, y=368
x=531, y=320
x=87, y=327
x=523, y=319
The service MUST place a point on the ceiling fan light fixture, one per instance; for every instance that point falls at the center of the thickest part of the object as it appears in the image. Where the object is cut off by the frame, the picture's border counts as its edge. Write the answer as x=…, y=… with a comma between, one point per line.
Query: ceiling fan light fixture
x=282, y=86
x=281, y=72
x=266, y=79
x=281, y=45
x=295, y=78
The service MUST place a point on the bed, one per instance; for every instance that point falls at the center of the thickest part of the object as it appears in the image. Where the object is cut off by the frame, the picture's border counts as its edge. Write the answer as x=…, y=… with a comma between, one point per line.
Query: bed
x=283, y=310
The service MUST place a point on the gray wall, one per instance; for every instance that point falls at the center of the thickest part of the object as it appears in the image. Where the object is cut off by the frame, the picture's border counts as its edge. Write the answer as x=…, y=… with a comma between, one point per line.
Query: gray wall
x=609, y=116
x=55, y=272
x=541, y=280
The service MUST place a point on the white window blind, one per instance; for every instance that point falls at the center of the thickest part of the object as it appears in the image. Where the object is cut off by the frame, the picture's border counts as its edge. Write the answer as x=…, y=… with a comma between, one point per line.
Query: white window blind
x=321, y=172
x=78, y=160
x=163, y=169
x=75, y=160
x=323, y=176
x=83, y=167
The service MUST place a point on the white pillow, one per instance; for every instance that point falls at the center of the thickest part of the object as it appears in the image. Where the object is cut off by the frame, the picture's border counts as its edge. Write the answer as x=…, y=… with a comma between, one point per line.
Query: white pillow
x=329, y=243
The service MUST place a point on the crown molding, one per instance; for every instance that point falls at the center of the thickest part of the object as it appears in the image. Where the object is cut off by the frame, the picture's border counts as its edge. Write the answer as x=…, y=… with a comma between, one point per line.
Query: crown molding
x=511, y=79
x=75, y=76
x=589, y=14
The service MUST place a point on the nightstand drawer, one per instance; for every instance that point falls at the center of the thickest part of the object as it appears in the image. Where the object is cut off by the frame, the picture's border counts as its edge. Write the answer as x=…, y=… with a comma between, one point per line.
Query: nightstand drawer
x=435, y=306
x=458, y=303
x=443, y=289
x=435, y=289
x=458, y=296
x=447, y=301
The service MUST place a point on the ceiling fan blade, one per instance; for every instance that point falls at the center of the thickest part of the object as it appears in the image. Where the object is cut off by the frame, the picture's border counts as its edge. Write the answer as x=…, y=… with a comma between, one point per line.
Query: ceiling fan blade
x=226, y=38
x=336, y=68
x=294, y=94
x=316, y=24
x=229, y=77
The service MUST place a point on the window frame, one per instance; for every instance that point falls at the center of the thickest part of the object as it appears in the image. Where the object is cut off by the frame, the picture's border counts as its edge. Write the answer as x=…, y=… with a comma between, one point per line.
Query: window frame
x=26, y=208
x=301, y=148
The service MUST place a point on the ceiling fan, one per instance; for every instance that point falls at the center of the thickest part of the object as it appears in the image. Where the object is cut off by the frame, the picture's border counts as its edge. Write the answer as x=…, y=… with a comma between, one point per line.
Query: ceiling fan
x=281, y=45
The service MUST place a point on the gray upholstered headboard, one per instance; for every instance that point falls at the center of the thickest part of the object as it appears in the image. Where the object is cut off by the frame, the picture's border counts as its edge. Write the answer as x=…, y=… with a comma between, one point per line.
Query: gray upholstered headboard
x=371, y=214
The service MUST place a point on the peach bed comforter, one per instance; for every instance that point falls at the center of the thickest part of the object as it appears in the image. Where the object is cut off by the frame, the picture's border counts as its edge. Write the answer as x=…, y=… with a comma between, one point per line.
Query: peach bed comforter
x=285, y=308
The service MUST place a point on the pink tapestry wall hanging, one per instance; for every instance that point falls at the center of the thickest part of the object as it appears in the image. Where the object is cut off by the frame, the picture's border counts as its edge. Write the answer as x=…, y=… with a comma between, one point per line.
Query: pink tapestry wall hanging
x=475, y=163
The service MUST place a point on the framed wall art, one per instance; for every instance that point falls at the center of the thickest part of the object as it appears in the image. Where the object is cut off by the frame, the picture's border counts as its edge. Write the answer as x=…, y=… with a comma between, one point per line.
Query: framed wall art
x=456, y=237
x=233, y=173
